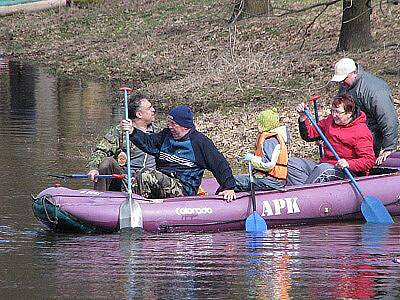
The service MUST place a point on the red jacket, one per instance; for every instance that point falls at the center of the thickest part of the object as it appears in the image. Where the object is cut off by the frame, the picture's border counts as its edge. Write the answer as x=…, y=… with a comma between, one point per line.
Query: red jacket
x=353, y=142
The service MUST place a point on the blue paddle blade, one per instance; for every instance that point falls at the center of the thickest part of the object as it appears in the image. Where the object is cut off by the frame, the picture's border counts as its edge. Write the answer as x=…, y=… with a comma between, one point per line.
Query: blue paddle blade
x=374, y=211
x=254, y=223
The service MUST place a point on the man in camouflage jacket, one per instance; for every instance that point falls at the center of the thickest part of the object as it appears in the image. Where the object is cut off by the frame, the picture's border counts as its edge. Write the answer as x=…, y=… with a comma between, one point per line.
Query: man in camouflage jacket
x=109, y=155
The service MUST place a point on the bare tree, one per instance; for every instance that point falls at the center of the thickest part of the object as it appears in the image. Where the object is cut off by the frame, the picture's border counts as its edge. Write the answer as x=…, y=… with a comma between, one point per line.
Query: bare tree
x=251, y=8
x=355, y=32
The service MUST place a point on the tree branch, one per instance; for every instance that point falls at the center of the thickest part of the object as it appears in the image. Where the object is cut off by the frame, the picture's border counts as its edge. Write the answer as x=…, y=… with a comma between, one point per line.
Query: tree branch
x=295, y=11
x=365, y=11
x=237, y=11
x=310, y=25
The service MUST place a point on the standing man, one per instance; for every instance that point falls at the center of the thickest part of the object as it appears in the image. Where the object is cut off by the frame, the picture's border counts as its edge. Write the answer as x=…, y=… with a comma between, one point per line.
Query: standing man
x=182, y=154
x=375, y=99
x=109, y=157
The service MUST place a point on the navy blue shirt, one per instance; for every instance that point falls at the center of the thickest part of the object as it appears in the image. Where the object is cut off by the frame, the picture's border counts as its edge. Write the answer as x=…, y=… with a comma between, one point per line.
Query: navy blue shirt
x=186, y=158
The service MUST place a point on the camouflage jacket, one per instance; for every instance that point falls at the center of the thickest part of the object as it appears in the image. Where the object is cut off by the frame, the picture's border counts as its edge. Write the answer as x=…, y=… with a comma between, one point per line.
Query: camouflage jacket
x=113, y=143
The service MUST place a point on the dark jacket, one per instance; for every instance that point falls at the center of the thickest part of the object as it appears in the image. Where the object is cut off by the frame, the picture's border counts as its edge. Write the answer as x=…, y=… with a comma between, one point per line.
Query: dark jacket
x=375, y=99
x=185, y=159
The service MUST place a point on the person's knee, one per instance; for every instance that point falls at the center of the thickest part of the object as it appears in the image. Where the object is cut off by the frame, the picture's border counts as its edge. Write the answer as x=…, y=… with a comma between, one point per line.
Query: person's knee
x=242, y=183
x=147, y=175
x=322, y=173
x=324, y=167
x=143, y=172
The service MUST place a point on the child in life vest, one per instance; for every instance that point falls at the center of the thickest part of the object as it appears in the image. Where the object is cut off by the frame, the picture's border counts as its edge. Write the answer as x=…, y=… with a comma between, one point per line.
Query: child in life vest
x=270, y=160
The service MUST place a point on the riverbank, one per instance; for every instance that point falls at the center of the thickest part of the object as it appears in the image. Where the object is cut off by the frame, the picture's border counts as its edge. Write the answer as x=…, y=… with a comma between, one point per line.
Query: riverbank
x=185, y=52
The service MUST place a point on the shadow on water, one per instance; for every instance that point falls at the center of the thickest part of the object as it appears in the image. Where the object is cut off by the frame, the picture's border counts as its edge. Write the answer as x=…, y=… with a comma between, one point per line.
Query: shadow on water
x=22, y=104
x=47, y=124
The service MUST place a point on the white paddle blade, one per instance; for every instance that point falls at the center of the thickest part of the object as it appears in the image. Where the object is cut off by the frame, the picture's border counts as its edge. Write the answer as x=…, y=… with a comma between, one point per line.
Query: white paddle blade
x=130, y=215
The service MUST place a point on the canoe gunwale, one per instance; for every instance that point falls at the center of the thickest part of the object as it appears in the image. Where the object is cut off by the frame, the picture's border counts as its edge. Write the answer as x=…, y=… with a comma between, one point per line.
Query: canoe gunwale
x=56, y=208
x=140, y=199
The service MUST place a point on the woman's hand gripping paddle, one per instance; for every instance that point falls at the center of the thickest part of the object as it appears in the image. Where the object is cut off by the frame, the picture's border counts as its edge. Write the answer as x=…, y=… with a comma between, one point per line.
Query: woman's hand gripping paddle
x=372, y=208
x=314, y=100
x=254, y=222
x=130, y=213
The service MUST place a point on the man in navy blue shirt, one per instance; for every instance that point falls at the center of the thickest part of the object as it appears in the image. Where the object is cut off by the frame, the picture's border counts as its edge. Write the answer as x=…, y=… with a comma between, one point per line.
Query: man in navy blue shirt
x=182, y=154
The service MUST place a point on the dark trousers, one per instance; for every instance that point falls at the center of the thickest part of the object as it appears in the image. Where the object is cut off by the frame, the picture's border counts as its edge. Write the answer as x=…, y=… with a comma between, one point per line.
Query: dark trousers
x=109, y=166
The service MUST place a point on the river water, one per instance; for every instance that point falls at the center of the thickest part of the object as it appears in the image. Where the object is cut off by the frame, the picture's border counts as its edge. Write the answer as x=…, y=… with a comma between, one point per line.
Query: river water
x=47, y=124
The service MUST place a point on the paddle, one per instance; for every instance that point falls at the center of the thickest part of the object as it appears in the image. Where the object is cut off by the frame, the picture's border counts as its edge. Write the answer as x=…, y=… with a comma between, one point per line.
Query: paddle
x=130, y=213
x=63, y=176
x=314, y=99
x=254, y=222
x=372, y=208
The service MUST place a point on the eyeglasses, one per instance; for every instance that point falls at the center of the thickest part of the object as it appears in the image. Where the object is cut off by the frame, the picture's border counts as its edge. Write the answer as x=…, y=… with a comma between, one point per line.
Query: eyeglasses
x=337, y=112
x=146, y=107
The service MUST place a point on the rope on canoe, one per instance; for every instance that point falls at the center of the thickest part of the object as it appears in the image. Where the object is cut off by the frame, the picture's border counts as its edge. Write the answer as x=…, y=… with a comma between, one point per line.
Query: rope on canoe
x=43, y=199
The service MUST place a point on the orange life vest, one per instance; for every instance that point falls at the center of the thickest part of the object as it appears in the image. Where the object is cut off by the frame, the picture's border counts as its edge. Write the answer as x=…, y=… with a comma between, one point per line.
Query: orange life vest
x=280, y=170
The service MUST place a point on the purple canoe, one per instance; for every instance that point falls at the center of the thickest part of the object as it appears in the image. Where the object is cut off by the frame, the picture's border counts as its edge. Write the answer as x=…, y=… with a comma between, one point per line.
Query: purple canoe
x=88, y=211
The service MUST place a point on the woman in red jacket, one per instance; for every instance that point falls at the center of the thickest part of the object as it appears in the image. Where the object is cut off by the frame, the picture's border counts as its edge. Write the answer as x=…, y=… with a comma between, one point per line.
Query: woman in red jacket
x=347, y=131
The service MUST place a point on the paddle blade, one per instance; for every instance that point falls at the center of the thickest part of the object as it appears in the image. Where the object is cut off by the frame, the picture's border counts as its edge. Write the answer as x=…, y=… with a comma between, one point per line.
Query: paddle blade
x=374, y=211
x=130, y=215
x=254, y=223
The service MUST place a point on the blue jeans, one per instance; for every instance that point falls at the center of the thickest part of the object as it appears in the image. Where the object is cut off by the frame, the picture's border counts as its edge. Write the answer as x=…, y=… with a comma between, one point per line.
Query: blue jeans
x=260, y=184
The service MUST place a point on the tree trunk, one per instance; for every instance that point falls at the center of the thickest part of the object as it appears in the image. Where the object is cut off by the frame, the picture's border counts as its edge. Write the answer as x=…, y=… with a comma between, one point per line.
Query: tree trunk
x=356, y=25
x=251, y=8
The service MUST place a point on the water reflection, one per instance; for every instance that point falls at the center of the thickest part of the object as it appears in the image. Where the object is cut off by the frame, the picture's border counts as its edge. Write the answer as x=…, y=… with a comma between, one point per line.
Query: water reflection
x=22, y=92
x=177, y=266
x=47, y=124
x=327, y=262
x=373, y=237
x=274, y=250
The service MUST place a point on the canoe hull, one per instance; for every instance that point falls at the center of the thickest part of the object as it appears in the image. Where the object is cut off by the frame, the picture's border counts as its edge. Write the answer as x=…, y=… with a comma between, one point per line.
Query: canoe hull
x=87, y=211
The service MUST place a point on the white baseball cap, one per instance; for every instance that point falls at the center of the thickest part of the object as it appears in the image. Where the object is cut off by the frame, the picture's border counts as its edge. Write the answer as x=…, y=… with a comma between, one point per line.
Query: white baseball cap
x=343, y=68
